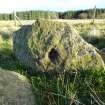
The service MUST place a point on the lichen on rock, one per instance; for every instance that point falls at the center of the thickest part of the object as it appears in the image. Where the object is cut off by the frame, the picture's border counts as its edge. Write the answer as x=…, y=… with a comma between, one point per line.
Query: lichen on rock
x=54, y=46
x=15, y=89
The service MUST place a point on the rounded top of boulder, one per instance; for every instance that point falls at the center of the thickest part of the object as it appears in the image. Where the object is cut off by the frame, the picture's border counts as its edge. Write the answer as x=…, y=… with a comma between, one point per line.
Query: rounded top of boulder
x=15, y=89
x=54, y=46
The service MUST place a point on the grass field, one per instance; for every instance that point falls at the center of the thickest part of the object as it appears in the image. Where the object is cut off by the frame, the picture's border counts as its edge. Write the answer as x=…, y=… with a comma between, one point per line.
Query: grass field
x=83, y=88
x=81, y=21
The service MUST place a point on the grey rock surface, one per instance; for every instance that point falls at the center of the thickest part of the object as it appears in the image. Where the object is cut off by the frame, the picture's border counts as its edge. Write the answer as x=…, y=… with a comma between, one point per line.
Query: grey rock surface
x=15, y=89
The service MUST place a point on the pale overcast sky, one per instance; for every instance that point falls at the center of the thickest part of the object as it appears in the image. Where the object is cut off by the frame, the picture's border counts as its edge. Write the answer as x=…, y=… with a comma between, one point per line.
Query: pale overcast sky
x=9, y=6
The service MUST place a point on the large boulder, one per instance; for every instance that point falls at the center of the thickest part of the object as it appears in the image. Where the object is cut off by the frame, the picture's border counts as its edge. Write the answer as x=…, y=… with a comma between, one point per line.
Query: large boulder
x=15, y=89
x=54, y=46
x=102, y=53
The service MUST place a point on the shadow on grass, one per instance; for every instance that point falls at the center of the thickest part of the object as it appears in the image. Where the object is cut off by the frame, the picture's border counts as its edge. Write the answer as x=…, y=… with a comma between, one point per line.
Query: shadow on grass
x=9, y=62
x=6, y=36
x=98, y=42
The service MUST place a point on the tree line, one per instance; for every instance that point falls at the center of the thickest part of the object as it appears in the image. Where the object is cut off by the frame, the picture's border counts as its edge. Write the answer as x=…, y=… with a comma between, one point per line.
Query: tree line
x=80, y=14
x=83, y=14
x=30, y=15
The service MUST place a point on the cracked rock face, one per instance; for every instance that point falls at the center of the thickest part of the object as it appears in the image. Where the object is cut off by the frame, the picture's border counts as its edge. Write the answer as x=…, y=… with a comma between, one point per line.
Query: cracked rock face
x=15, y=89
x=54, y=46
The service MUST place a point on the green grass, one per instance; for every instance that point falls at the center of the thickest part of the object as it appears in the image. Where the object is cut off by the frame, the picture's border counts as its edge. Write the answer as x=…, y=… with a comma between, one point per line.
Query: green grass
x=70, y=89
x=75, y=88
x=7, y=59
x=62, y=89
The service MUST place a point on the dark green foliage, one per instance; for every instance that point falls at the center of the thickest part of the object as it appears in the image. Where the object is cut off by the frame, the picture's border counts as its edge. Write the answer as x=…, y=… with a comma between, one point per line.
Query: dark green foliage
x=72, y=88
x=83, y=14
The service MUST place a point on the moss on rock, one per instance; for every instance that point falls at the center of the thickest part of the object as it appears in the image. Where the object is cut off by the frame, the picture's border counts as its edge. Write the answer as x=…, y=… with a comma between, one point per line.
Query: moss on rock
x=54, y=46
